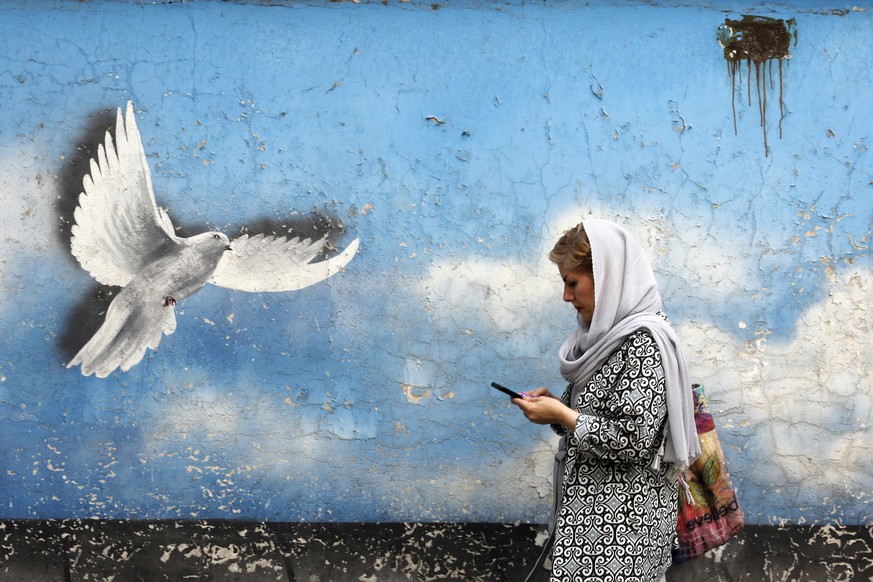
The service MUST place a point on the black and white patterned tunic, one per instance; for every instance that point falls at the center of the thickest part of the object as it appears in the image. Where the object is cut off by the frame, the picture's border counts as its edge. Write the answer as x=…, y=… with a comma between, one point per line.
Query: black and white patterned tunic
x=617, y=518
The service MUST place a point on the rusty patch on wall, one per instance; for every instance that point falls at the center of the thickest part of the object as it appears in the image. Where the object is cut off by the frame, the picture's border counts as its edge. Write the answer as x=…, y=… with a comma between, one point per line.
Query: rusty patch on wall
x=757, y=40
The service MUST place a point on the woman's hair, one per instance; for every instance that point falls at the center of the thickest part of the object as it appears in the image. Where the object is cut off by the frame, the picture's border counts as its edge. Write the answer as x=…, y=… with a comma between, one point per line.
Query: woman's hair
x=573, y=250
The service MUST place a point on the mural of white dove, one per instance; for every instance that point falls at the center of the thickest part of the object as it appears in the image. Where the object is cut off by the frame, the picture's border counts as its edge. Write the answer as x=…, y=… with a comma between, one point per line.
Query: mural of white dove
x=122, y=238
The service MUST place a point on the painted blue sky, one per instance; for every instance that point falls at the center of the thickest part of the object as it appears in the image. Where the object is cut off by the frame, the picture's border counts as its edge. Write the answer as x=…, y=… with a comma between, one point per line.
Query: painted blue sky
x=456, y=148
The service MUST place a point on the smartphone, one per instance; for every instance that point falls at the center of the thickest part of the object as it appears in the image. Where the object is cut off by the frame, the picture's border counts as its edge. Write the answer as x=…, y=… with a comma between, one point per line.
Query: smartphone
x=506, y=390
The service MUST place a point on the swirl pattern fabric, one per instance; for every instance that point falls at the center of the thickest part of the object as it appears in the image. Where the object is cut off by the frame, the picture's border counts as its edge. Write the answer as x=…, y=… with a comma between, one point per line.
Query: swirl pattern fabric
x=618, y=515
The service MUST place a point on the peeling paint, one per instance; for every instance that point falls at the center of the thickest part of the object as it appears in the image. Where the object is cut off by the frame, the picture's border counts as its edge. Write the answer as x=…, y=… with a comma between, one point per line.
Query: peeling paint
x=416, y=394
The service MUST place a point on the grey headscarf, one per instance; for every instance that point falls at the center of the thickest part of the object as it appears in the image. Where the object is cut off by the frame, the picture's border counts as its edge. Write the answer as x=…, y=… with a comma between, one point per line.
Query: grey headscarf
x=626, y=299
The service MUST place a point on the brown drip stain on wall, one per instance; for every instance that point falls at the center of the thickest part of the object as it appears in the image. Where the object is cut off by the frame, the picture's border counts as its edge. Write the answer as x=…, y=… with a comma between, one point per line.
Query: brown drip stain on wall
x=758, y=41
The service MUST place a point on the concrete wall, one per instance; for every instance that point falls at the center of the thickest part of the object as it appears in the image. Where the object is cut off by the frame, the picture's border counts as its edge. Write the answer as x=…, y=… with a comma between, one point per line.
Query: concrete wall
x=455, y=140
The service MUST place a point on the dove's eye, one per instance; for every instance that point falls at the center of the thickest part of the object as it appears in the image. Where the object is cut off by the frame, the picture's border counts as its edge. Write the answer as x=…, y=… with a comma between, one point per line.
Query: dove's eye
x=216, y=236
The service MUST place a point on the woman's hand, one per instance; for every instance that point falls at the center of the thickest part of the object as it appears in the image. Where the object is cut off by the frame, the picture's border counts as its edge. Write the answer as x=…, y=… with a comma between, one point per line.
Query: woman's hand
x=541, y=391
x=541, y=407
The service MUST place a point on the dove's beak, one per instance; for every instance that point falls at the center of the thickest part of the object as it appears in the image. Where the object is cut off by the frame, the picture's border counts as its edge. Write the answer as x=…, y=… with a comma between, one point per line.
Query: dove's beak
x=227, y=248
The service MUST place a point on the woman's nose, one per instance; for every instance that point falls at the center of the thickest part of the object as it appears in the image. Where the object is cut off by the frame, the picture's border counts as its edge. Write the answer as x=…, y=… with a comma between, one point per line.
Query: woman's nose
x=568, y=293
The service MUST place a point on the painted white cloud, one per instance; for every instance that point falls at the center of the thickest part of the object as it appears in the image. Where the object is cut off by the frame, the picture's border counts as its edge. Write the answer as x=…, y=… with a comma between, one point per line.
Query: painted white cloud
x=522, y=303
x=31, y=229
x=27, y=194
x=506, y=297
x=800, y=412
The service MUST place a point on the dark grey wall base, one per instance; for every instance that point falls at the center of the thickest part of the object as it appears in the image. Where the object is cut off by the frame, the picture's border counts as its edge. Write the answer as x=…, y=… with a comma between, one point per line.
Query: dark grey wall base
x=787, y=553
x=223, y=551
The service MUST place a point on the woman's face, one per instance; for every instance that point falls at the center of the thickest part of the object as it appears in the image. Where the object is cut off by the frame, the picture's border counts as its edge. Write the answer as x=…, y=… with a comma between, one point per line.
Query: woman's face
x=579, y=291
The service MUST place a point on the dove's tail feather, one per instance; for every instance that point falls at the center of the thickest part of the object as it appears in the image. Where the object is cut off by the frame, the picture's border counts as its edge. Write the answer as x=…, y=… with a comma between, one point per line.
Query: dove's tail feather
x=122, y=340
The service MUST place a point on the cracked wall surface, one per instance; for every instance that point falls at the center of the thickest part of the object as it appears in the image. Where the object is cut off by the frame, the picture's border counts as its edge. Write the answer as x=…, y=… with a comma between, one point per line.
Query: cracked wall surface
x=456, y=141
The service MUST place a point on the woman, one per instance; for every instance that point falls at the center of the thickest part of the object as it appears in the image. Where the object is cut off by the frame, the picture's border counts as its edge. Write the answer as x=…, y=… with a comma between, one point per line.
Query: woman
x=626, y=419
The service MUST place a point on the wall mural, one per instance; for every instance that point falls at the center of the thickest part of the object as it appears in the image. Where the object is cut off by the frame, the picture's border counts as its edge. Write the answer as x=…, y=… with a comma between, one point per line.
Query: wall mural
x=123, y=239
x=454, y=149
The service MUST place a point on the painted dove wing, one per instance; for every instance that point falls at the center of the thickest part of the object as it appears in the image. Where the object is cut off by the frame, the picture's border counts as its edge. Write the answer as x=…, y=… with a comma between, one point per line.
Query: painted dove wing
x=270, y=263
x=123, y=239
x=118, y=224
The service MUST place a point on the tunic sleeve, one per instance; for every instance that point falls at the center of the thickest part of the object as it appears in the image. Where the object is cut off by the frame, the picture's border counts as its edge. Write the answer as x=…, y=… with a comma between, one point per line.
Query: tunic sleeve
x=560, y=429
x=623, y=410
